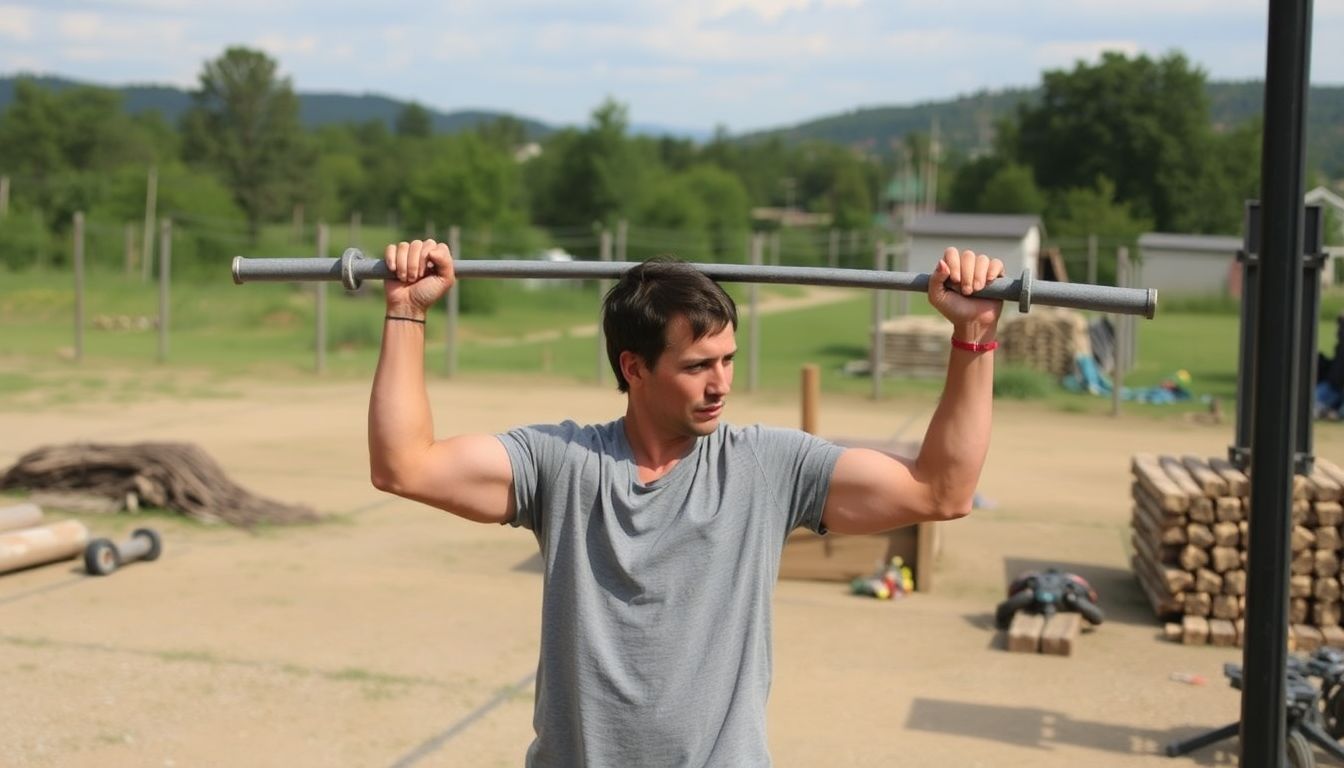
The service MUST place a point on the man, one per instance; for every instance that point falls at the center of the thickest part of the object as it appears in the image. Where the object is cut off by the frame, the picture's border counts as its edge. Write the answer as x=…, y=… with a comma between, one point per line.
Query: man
x=661, y=532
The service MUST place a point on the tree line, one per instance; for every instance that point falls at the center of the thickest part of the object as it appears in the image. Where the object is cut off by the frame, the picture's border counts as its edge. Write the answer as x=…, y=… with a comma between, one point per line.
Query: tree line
x=1113, y=148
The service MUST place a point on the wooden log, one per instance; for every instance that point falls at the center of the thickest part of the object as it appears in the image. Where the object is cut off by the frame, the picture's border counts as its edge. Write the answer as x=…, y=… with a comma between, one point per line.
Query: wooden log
x=1325, y=589
x=1302, y=539
x=1328, y=512
x=1225, y=559
x=1208, y=581
x=1300, y=586
x=1309, y=638
x=1302, y=511
x=1168, y=531
x=1164, y=603
x=1059, y=633
x=1024, y=634
x=1229, y=509
x=1301, y=488
x=1330, y=469
x=1211, y=483
x=1304, y=563
x=1234, y=582
x=1194, y=630
x=1237, y=482
x=1222, y=633
x=1150, y=474
x=1323, y=486
x=1181, y=476
x=1327, y=562
x=1333, y=635
x=1226, y=535
x=1298, y=610
x=1201, y=510
x=1172, y=631
x=1157, y=556
x=1327, y=537
x=1245, y=528
x=1240, y=624
x=1225, y=607
x=1193, y=558
x=42, y=544
x=1326, y=614
x=1200, y=535
x=1198, y=604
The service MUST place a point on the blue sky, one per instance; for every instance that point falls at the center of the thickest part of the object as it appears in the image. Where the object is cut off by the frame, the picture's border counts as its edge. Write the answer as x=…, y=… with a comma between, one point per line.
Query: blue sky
x=692, y=64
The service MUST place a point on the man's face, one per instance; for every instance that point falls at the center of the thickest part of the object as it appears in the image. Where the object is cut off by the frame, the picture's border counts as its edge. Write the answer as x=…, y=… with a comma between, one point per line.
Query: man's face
x=685, y=391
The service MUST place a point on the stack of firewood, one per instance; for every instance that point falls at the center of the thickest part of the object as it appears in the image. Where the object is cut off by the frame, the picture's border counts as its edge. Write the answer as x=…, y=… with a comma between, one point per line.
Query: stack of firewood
x=1190, y=532
x=915, y=345
x=1047, y=339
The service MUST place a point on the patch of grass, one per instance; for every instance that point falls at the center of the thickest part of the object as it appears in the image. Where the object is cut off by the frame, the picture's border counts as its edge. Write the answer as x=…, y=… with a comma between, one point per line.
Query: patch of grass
x=1021, y=383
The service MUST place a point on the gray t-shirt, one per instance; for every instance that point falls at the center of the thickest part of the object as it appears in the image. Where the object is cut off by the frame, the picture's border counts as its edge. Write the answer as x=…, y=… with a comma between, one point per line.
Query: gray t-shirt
x=656, y=612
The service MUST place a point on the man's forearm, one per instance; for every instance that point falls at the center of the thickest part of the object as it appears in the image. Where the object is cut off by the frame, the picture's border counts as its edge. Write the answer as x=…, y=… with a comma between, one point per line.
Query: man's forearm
x=957, y=440
x=401, y=425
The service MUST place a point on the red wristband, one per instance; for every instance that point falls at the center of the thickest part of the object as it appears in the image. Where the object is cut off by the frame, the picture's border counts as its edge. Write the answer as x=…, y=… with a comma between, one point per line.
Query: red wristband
x=975, y=346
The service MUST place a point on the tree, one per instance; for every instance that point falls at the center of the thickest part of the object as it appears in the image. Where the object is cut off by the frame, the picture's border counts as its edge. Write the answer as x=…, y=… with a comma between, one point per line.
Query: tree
x=587, y=177
x=245, y=123
x=415, y=122
x=1141, y=123
x=1093, y=210
x=1011, y=190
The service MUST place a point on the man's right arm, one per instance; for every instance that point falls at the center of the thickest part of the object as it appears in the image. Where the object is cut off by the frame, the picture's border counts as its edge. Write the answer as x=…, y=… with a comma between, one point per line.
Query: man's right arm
x=468, y=475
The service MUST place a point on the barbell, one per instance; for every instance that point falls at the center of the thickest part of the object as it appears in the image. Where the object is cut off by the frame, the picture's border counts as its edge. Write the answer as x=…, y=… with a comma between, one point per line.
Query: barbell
x=352, y=269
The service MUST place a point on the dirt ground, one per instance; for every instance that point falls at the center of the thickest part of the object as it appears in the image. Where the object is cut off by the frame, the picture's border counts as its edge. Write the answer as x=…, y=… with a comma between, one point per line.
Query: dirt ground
x=395, y=635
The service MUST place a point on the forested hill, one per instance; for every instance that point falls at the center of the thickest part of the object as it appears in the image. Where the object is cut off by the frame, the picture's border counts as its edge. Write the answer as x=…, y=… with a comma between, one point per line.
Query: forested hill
x=967, y=123
x=315, y=109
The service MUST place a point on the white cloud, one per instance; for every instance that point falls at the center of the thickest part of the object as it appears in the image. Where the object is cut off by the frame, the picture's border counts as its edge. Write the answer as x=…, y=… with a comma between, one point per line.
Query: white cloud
x=16, y=23
x=1068, y=52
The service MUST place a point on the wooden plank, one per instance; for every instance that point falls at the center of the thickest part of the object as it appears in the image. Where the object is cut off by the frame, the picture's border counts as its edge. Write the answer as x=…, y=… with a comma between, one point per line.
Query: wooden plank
x=1222, y=633
x=1323, y=486
x=1164, y=604
x=1024, y=634
x=1174, y=579
x=1149, y=473
x=1166, y=531
x=1330, y=469
x=1333, y=636
x=1179, y=475
x=1059, y=633
x=1210, y=482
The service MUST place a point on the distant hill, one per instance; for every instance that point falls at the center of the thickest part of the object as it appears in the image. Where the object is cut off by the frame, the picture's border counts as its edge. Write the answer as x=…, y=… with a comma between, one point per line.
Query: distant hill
x=966, y=124
x=315, y=109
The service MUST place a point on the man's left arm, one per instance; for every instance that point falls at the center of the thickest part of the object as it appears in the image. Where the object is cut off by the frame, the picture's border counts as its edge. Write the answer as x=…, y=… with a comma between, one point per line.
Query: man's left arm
x=871, y=491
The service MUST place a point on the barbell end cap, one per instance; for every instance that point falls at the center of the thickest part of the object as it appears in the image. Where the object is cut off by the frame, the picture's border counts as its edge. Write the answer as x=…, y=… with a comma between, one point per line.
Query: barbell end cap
x=1024, y=296
x=348, y=278
x=237, y=270
x=1150, y=308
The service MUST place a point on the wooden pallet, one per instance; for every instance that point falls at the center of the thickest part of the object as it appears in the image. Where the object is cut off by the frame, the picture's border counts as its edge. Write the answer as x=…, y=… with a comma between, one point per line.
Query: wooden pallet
x=1033, y=633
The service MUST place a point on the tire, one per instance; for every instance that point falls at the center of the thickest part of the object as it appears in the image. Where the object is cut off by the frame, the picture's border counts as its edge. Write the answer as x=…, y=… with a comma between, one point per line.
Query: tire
x=1003, y=615
x=101, y=557
x=1299, y=751
x=155, y=543
x=1090, y=610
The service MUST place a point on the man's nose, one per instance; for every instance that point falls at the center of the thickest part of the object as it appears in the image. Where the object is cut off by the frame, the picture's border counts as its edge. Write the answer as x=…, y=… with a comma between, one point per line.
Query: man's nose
x=722, y=380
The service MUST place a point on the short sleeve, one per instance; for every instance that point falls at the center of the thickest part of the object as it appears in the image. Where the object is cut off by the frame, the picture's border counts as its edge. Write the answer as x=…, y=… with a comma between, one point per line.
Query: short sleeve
x=799, y=466
x=535, y=454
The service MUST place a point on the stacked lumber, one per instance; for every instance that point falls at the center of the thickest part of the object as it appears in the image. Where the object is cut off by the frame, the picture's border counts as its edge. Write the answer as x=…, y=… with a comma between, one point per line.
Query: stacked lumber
x=915, y=345
x=1189, y=532
x=1047, y=339
x=1035, y=633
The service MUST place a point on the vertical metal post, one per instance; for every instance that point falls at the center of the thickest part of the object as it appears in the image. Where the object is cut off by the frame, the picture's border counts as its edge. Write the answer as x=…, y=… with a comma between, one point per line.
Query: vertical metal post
x=876, y=355
x=1239, y=453
x=79, y=285
x=454, y=299
x=151, y=208
x=1313, y=259
x=4, y=196
x=1274, y=387
x=757, y=246
x=1092, y=260
x=320, y=331
x=603, y=254
x=165, y=275
x=1120, y=352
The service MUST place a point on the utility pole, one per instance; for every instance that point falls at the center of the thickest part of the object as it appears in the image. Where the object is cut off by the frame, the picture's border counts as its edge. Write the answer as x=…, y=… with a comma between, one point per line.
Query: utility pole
x=151, y=204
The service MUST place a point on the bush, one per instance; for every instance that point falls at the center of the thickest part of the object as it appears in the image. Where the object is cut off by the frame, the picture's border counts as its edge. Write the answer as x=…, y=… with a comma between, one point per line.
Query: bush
x=1021, y=383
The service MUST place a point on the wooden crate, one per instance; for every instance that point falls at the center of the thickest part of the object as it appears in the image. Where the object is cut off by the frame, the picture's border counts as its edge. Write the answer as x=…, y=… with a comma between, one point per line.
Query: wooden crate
x=838, y=557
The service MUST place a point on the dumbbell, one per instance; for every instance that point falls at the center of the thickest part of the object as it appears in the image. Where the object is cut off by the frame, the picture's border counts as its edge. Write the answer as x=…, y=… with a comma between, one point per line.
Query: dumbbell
x=103, y=556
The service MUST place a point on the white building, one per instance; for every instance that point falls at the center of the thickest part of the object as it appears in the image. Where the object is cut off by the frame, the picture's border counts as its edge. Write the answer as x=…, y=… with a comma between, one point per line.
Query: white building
x=1016, y=239
x=1189, y=264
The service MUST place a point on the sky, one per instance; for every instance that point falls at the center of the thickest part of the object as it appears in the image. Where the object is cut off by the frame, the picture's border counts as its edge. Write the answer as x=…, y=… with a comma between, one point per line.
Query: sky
x=685, y=64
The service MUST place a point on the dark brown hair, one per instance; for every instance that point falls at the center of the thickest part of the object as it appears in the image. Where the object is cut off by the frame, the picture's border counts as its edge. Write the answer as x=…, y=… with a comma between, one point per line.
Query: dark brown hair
x=638, y=309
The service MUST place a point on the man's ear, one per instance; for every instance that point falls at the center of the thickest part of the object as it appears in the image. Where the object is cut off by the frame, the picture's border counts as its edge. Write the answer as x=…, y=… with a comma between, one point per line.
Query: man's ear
x=632, y=366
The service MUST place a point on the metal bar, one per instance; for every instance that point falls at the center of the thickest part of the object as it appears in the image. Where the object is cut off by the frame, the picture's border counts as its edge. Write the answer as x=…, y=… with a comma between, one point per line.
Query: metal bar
x=756, y=255
x=352, y=268
x=1239, y=453
x=320, y=321
x=1313, y=263
x=1274, y=387
x=79, y=285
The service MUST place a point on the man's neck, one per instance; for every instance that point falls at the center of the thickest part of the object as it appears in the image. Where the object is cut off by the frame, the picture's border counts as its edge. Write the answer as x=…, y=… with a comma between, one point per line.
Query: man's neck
x=656, y=452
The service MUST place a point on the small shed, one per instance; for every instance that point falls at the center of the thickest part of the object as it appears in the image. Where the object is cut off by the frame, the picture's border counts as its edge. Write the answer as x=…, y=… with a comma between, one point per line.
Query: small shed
x=1016, y=239
x=1189, y=264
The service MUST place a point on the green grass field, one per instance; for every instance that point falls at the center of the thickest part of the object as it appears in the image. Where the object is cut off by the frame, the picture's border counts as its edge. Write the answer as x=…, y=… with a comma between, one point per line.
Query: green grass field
x=220, y=330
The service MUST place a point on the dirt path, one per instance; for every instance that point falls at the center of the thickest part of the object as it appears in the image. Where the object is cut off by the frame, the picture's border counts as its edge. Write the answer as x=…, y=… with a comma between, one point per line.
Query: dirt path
x=394, y=635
